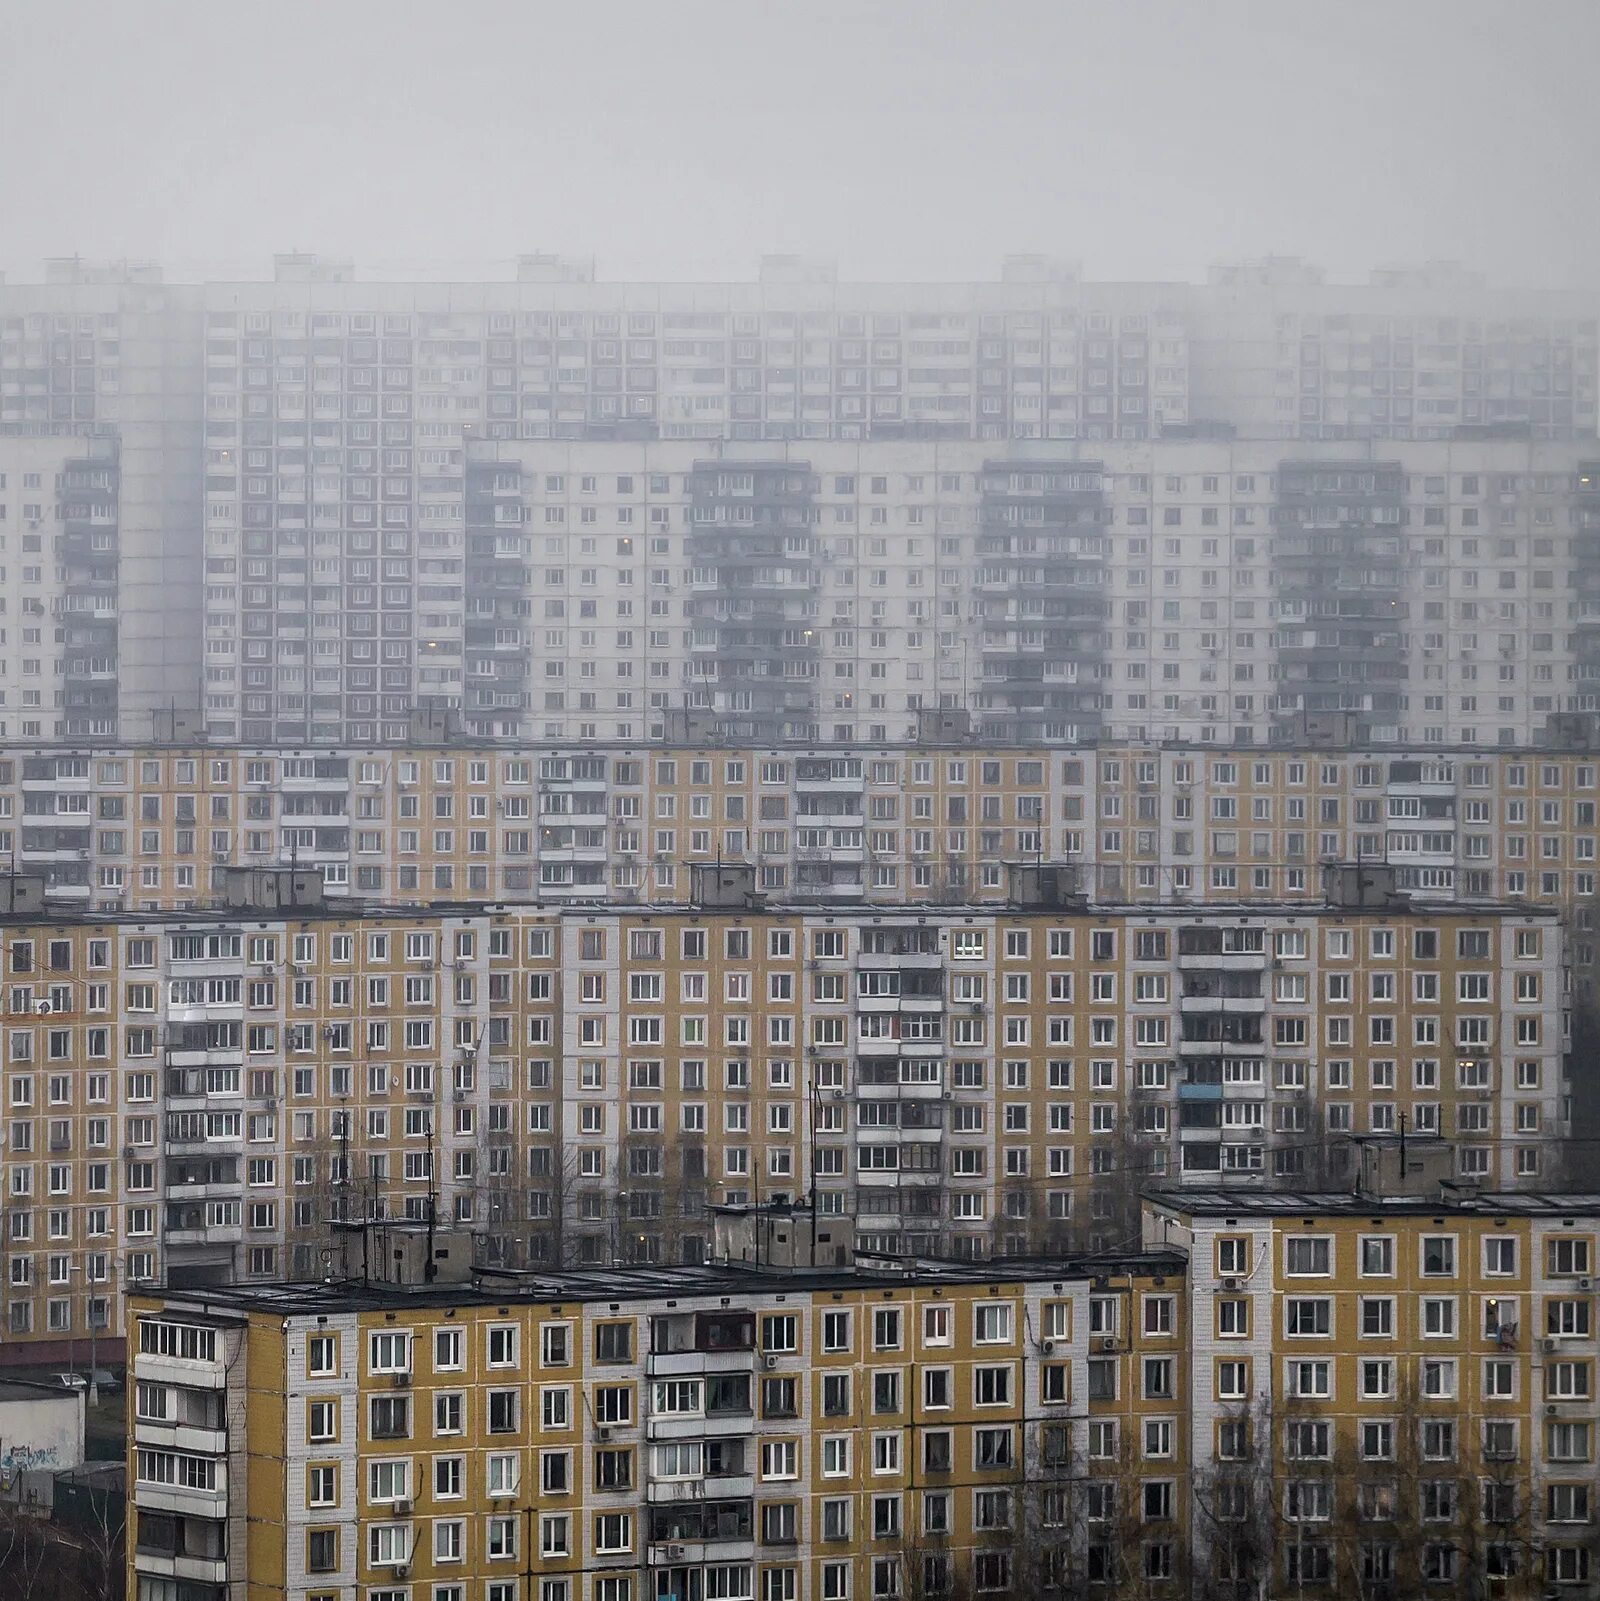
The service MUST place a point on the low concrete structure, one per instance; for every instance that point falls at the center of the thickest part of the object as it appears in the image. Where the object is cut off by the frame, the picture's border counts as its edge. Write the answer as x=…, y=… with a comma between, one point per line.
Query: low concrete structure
x=41, y=1429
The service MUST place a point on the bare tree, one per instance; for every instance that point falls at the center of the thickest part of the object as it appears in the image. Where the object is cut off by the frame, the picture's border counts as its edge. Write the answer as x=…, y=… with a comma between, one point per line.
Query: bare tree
x=312, y=1208
x=28, y=1558
x=101, y=1534
x=546, y=1212
x=1233, y=1543
x=41, y=1560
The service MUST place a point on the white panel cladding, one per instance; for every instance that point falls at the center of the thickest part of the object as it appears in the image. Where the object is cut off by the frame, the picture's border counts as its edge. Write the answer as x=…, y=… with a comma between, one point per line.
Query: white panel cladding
x=343, y=1388
x=1206, y=1287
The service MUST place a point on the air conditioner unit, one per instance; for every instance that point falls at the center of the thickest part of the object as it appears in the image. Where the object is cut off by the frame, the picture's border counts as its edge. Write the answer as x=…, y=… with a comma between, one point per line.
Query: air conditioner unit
x=1550, y=1345
x=1230, y=1284
x=1585, y=1284
x=1108, y=1343
x=402, y=1572
x=602, y=1433
x=402, y=1509
x=769, y=1361
x=1047, y=1346
x=673, y=1553
x=1550, y=1409
x=401, y=1381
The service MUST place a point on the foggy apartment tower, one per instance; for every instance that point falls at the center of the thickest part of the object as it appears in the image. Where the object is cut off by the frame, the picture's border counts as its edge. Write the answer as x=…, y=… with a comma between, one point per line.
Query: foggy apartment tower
x=110, y=356
x=797, y=509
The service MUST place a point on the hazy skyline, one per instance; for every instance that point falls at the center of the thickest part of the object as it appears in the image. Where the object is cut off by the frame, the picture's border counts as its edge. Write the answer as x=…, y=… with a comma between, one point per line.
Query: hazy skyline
x=906, y=140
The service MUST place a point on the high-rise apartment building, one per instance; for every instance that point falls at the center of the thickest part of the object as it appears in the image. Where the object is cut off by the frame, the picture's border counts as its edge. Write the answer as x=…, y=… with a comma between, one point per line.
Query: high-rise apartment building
x=370, y=484
x=192, y=1097
x=59, y=539
x=111, y=356
x=154, y=827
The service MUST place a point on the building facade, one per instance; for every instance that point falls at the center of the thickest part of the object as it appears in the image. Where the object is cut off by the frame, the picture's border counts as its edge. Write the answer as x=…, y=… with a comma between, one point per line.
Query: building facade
x=1323, y=1394
x=1392, y=1395
x=154, y=827
x=200, y=1097
x=708, y=1432
x=1435, y=593
x=108, y=355
x=327, y=470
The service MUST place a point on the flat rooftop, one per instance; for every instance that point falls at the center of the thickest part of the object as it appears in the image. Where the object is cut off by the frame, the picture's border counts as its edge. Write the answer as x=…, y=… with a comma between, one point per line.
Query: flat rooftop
x=618, y=1286
x=1214, y=1202
x=35, y=1390
x=351, y=910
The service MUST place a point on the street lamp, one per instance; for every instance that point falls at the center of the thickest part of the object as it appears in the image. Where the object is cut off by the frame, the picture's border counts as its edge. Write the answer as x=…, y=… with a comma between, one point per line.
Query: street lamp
x=94, y=1328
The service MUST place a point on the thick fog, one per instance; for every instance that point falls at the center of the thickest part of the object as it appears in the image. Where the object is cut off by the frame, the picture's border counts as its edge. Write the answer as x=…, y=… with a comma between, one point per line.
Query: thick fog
x=908, y=138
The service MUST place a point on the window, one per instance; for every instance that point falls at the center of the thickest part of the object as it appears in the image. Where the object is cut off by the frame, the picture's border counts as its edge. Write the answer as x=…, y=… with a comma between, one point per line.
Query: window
x=322, y=1355
x=613, y=1342
x=390, y=1417
x=389, y=1353
x=503, y=1409
x=1377, y=1256
x=1438, y=1256
x=322, y=1550
x=1499, y=1256
x=780, y=1333
x=1566, y=1257
x=992, y=1323
x=1308, y=1256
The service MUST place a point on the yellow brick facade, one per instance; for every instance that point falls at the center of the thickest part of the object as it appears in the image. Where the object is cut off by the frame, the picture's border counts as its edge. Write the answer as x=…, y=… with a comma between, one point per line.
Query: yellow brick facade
x=198, y=1095
x=144, y=827
x=1405, y=1389
x=1303, y=1394
x=717, y=1433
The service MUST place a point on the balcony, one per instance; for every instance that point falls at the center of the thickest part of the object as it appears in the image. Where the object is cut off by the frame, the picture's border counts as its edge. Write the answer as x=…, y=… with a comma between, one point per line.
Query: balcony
x=919, y=1004
x=181, y=1437
x=699, y=1426
x=720, y=1486
x=888, y=1046
x=196, y=1570
x=691, y=1364
x=1223, y=1005
x=212, y=1234
x=900, y=1091
x=891, y=961
x=191, y=1372
x=183, y=1500
x=1216, y=957
x=899, y=1179
x=1191, y=1048
x=691, y=1553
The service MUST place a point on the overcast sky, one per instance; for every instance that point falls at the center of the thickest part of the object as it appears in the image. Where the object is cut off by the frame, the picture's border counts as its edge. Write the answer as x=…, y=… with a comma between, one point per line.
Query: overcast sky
x=682, y=139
